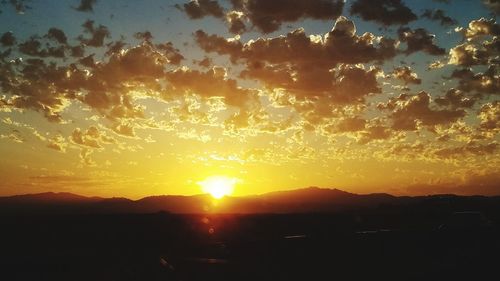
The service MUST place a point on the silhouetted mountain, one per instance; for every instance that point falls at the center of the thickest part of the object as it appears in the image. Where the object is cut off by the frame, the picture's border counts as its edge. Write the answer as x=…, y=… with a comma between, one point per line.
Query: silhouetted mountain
x=306, y=200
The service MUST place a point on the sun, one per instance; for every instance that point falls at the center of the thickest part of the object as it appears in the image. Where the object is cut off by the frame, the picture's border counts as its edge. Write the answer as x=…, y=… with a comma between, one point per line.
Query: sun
x=218, y=186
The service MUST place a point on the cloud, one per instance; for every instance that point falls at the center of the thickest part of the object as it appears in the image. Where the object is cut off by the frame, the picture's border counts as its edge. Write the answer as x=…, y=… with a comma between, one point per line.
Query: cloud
x=456, y=99
x=268, y=16
x=477, y=50
x=86, y=6
x=8, y=39
x=33, y=47
x=97, y=34
x=210, y=84
x=19, y=5
x=57, y=35
x=482, y=27
x=408, y=111
x=235, y=20
x=405, y=74
x=487, y=82
x=419, y=40
x=385, y=12
x=124, y=129
x=493, y=5
x=58, y=143
x=439, y=16
x=197, y=9
x=92, y=137
x=468, y=149
x=489, y=116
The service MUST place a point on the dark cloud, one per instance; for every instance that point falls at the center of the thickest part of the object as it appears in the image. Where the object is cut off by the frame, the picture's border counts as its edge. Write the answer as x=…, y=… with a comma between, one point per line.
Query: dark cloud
x=487, y=82
x=57, y=35
x=34, y=47
x=456, y=99
x=97, y=34
x=209, y=84
x=144, y=36
x=86, y=6
x=317, y=72
x=8, y=39
x=341, y=45
x=206, y=62
x=386, y=12
x=493, y=5
x=197, y=9
x=439, y=16
x=268, y=16
x=419, y=40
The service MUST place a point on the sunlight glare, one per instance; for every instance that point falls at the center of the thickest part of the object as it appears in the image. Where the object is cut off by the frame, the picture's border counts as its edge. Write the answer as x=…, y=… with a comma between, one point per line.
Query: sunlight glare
x=218, y=186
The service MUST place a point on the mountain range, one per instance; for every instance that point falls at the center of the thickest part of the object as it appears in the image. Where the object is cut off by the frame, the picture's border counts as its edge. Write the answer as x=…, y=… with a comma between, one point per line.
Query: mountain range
x=305, y=200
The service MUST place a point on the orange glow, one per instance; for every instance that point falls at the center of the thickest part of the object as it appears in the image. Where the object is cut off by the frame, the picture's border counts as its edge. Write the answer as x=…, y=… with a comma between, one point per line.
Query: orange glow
x=218, y=186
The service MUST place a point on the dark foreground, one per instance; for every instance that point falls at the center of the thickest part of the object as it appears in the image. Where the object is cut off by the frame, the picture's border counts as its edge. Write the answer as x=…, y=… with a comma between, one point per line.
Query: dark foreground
x=356, y=245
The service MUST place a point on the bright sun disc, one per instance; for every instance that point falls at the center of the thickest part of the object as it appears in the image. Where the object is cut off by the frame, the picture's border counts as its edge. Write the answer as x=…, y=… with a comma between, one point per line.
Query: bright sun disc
x=218, y=186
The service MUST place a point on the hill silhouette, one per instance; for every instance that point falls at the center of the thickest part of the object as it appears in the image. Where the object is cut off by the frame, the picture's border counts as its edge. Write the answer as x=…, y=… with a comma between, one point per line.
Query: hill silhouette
x=305, y=200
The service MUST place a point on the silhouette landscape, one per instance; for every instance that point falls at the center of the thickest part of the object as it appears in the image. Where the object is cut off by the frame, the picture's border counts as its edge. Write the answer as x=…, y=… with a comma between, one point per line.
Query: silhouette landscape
x=300, y=234
x=240, y=140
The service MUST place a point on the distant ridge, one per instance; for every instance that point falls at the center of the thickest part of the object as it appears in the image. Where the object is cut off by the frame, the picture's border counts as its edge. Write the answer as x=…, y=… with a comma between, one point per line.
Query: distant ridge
x=304, y=200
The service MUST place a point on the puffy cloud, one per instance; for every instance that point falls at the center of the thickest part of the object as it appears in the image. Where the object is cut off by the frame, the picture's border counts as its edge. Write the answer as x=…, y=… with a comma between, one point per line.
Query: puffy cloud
x=268, y=16
x=477, y=50
x=487, y=82
x=440, y=16
x=482, y=27
x=456, y=99
x=236, y=23
x=419, y=40
x=296, y=49
x=408, y=111
x=314, y=74
x=489, y=115
x=405, y=74
x=197, y=9
x=36, y=88
x=386, y=12
x=86, y=6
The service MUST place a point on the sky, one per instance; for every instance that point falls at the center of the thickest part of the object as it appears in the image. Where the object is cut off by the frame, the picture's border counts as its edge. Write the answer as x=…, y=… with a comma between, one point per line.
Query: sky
x=137, y=98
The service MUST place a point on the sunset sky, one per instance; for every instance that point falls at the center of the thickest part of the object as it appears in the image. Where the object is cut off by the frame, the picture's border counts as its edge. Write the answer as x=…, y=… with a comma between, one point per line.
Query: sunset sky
x=137, y=98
